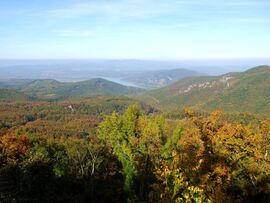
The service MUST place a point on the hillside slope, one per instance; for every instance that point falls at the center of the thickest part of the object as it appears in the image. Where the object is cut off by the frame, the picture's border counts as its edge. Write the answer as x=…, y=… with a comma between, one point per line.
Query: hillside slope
x=14, y=83
x=54, y=90
x=12, y=95
x=244, y=92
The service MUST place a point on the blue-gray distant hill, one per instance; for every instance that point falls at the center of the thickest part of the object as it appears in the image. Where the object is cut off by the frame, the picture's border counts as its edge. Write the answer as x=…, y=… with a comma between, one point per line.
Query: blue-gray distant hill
x=143, y=73
x=160, y=78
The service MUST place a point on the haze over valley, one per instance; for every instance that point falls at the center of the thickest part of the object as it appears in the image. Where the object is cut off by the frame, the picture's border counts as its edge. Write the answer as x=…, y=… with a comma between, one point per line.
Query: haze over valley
x=135, y=101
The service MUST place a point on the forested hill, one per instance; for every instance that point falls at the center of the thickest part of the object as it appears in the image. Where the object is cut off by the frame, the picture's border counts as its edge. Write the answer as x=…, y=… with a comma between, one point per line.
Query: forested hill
x=12, y=95
x=247, y=91
x=52, y=90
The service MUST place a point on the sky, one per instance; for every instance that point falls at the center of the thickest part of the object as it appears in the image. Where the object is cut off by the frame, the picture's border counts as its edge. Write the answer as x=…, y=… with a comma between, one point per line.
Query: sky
x=134, y=29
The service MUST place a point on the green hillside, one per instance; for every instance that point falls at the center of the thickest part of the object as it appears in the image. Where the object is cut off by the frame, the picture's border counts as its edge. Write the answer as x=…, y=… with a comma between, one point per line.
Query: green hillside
x=243, y=92
x=54, y=90
x=14, y=83
x=95, y=87
x=12, y=95
x=42, y=89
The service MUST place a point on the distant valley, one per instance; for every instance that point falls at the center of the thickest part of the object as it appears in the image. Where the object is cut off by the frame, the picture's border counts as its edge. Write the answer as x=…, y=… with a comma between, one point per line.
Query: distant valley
x=247, y=91
x=128, y=72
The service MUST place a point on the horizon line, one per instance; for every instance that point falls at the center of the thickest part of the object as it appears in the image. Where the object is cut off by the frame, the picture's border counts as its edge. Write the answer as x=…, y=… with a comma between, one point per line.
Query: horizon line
x=137, y=59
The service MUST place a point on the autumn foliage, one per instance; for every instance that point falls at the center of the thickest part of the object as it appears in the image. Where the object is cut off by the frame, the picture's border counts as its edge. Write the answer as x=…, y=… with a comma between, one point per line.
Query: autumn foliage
x=135, y=157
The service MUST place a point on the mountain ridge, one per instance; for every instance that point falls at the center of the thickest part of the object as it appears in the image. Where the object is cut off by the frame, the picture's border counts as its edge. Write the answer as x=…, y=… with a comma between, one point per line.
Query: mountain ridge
x=53, y=90
x=247, y=91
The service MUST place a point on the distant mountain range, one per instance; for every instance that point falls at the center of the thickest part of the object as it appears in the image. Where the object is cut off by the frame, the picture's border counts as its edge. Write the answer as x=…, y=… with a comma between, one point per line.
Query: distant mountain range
x=78, y=70
x=247, y=91
x=53, y=90
x=132, y=72
x=74, y=70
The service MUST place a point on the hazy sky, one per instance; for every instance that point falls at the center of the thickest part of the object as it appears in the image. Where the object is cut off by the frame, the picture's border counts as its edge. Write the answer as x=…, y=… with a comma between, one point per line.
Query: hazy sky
x=142, y=29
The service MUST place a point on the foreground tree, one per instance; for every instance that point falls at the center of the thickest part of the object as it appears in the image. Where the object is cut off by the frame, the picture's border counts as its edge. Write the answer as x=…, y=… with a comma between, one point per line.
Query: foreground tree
x=136, y=141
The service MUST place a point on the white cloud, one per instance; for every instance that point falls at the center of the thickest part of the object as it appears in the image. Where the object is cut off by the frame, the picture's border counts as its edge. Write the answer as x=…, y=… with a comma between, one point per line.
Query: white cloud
x=142, y=8
x=256, y=20
x=121, y=8
x=74, y=33
x=180, y=25
x=249, y=3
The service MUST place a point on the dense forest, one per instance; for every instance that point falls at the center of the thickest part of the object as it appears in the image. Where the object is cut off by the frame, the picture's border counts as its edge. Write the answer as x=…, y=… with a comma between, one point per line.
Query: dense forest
x=114, y=149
